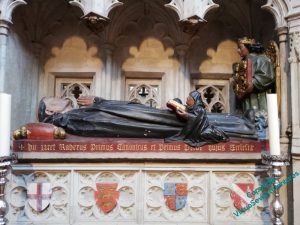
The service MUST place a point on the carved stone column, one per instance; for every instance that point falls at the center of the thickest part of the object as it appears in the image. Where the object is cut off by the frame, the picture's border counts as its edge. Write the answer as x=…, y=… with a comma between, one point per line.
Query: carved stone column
x=294, y=60
x=183, y=78
x=6, y=9
x=108, y=77
x=284, y=101
x=4, y=28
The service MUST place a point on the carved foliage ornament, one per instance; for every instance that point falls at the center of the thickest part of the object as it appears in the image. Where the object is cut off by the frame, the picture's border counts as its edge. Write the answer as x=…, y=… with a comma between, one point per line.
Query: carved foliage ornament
x=294, y=47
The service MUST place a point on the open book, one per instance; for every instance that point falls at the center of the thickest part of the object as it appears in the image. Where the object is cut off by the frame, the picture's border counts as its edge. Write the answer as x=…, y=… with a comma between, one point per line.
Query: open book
x=175, y=105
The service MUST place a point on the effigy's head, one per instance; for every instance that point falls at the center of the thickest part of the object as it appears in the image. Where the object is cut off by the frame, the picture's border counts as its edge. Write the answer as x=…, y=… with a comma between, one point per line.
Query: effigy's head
x=49, y=106
x=195, y=98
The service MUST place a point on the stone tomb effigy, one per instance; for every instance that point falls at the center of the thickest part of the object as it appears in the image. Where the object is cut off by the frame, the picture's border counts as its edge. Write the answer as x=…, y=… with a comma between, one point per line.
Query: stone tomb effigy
x=41, y=139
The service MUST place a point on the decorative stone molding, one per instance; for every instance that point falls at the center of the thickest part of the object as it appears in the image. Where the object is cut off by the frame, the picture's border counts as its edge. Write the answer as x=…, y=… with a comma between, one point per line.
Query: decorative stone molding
x=282, y=33
x=96, y=12
x=279, y=10
x=108, y=49
x=294, y=47
x=57, y=208
x=135, y=194
x=101, y=8
x=7, y=7
x=125, y=205
x=191, y=12
x=181, y=50
x=230, y=194
x=4, y=27
x=214, y=99
x=95, y=22
x=191, y=9
x=194, y=208
x=145, y=94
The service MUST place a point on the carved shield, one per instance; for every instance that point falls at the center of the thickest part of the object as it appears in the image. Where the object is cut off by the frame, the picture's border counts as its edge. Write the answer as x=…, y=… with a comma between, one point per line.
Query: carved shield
x=106, y=196
x=175, y=195
x=39, y=195
x=239, y=194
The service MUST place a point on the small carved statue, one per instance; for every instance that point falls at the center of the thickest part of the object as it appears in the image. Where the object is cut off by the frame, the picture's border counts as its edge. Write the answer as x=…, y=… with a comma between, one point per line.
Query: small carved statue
x=254, y=75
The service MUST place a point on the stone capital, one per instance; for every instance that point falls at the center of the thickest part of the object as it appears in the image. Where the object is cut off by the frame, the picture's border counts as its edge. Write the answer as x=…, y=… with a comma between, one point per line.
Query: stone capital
x=181, y=50
x=108, y=48
x=282, y=33
x=4, y=27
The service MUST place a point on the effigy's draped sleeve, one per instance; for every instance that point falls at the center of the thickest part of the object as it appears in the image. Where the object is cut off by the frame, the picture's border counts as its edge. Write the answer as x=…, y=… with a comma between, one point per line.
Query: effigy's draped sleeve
x=198, y=131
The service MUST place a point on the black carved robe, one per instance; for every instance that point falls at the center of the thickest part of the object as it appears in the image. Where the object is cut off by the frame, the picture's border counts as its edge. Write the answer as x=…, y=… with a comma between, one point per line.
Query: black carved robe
x=109, y=118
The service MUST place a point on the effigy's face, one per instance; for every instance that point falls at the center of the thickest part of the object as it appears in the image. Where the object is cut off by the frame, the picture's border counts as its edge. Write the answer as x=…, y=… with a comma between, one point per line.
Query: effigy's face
x=190, y=101
x=57, y=105
x=242, y=50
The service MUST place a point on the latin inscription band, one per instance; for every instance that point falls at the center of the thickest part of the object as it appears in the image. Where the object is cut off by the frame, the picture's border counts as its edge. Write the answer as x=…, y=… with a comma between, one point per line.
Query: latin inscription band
x=131, y=146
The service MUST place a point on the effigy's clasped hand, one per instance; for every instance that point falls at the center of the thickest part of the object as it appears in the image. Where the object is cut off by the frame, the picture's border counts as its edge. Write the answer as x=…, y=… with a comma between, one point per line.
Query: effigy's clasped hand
x=85, y=100
x=182, y=113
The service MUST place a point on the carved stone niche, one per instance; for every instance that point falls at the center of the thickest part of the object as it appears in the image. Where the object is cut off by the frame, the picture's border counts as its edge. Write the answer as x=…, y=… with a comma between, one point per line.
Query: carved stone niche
x=95, y=22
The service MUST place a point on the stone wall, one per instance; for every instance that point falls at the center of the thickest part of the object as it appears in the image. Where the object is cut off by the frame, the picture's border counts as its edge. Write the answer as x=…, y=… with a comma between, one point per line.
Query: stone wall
x=142, y=189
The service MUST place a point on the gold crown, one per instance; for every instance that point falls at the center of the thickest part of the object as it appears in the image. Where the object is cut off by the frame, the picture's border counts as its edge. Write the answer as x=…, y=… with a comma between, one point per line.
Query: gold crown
x=246, y=40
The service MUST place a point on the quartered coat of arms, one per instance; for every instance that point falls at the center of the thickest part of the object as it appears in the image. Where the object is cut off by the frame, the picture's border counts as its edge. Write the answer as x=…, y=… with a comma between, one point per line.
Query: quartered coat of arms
x=106, y=196
x=175, y=195
x=39, y=195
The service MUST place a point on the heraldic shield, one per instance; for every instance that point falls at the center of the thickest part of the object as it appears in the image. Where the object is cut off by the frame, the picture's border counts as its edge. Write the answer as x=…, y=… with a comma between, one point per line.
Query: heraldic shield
x=239, y=194
x=106, y=196
x=39, y=195
x=175, y=195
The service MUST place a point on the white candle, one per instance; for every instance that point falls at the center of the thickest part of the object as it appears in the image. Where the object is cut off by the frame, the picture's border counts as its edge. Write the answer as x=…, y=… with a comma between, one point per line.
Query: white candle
x=273, y=124
x=5, y=110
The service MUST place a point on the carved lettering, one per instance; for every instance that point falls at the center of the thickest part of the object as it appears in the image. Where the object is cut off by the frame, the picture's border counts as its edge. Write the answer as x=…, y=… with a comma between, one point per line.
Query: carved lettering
x=22, y=147
x=216, y=148
x=30, y=147
x=241, y=148
x=163, y=147
x=72, y=147
x=152, y=146
x=132, y=147
x=48, y=148
x=101, y=147
x=191, y=149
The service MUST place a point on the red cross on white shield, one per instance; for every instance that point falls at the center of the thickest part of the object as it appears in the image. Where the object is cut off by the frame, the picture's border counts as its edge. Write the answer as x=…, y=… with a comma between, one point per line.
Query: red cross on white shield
x=39, y=195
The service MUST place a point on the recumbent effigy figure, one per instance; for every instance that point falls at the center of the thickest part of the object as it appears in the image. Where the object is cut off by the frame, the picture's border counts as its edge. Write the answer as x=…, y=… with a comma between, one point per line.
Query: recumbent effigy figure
x=98, y=117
